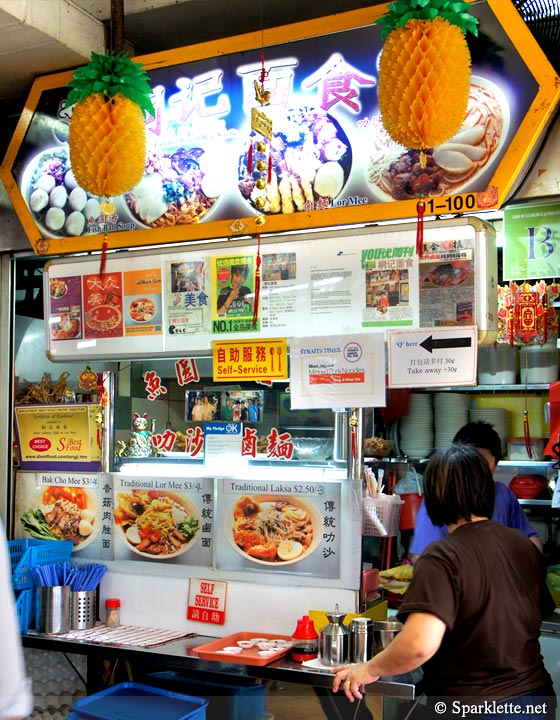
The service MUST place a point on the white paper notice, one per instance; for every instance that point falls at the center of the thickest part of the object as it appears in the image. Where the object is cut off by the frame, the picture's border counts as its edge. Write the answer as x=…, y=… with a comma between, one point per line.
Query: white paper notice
x=343, y=371
x=222, y=448
x=434, y=357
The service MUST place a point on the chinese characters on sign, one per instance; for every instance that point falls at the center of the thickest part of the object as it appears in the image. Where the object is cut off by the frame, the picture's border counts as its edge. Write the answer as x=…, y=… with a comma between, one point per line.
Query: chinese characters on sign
x=304, y=521
x=264, y=359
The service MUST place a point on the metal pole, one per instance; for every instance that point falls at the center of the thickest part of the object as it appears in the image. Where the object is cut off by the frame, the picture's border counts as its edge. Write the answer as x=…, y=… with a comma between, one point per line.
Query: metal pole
x=116, y=31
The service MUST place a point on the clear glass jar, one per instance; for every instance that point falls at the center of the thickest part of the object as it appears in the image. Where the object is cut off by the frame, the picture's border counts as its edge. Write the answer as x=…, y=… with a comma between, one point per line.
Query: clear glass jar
x=112, y=612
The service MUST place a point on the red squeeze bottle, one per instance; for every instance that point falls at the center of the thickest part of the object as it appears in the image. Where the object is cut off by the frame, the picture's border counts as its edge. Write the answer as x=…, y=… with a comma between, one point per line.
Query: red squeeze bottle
x=305, y=641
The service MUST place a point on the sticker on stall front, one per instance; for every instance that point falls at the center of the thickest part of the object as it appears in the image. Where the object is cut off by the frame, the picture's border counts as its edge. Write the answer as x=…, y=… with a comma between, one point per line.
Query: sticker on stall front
x=207, y=601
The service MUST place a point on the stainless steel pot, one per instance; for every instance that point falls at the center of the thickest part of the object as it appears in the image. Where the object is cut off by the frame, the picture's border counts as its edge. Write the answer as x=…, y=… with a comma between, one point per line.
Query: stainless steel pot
x=384, y=631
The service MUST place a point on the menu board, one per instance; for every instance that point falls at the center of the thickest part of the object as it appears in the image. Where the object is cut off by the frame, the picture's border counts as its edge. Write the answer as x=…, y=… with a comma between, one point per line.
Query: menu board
x=330, y=161
x=176, y=524
x=340, y=284
x=280, y=526
x=163, y=519
x=68, y=505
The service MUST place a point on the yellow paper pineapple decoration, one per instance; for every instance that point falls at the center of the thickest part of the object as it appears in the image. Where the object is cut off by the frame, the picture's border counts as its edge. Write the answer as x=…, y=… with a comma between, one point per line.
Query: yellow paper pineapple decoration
x=425, y=70
x=107, y=136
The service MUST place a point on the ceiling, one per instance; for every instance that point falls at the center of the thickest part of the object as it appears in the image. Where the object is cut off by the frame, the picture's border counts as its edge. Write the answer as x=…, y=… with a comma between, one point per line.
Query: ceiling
x=46, y=36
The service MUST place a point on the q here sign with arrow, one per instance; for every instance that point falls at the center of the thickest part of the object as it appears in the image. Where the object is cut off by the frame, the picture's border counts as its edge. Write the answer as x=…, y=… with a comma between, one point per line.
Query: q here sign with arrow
x=432, y=357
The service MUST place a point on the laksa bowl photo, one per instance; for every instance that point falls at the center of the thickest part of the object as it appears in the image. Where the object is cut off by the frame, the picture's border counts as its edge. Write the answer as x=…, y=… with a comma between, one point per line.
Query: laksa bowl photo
x=156, y=524
x=63, y=513
x=273, y=529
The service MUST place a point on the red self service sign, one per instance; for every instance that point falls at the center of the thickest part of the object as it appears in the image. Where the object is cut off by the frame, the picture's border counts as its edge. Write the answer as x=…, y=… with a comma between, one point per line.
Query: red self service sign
x=207, y=601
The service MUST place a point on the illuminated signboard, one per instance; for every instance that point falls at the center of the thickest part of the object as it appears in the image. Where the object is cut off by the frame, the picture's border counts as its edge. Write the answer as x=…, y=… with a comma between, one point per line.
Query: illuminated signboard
x=331, y=163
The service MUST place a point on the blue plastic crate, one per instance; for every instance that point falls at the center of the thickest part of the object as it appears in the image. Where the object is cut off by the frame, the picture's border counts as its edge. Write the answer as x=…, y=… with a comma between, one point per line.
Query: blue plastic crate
x=134, y=701
x=25, y=554
x=25, y=600
x=238, y=699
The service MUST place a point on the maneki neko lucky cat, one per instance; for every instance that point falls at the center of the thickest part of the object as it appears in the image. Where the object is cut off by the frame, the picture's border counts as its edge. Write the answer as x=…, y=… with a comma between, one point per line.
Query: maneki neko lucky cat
x=140, y=443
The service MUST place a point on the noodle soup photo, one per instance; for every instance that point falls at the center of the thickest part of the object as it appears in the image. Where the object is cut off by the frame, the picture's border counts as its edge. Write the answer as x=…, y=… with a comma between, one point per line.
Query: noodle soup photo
x=62, y=513
x=274, y=529
x=156, y=524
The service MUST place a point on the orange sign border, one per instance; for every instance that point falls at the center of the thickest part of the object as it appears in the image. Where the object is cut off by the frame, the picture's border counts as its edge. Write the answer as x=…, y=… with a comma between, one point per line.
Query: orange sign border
x=506, y=173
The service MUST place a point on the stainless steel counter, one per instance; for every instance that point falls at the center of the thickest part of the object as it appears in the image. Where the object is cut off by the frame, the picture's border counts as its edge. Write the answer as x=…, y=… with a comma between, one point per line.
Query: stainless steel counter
x=552, y=623
x=179, y=655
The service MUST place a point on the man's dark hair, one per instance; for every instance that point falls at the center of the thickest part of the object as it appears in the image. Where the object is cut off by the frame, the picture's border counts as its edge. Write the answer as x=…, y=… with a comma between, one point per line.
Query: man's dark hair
x=482, y=435
x=458, y=484
x=240, y=270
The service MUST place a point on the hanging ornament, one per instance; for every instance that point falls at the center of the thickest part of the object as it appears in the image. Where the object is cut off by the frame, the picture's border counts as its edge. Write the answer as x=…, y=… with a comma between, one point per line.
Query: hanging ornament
x=420, y=208
x=260, y=152
x=424, y=71
x=257, y=282
x=526, y=314
x=107, y=138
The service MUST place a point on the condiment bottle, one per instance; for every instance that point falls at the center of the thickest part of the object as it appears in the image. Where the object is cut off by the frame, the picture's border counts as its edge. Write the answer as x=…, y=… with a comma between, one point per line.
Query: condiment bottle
x=305, y=641
x=361, y=639
x=334, y=640
x=112, y=612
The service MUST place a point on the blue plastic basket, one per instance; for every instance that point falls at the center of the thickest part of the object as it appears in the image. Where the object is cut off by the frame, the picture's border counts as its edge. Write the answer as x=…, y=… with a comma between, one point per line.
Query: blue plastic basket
x=24, y=607
x=25, y=554
x=134, y=701
x=237, y=699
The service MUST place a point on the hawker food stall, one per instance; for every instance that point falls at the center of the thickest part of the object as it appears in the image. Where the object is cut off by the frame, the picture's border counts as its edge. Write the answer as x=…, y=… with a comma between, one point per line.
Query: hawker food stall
x=211, y=337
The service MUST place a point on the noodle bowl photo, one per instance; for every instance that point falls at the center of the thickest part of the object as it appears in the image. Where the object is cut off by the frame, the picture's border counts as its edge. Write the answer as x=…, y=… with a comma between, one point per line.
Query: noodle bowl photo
x=62, y=513
x=274, y=529
x=156, y=524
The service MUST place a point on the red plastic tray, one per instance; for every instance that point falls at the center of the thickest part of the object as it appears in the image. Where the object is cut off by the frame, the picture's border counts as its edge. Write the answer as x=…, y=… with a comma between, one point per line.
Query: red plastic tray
x=248, y=656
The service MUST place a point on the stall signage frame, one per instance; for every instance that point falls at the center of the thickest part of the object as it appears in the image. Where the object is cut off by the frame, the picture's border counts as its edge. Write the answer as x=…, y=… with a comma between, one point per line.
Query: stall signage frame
x=333, y=284
x=301, y=59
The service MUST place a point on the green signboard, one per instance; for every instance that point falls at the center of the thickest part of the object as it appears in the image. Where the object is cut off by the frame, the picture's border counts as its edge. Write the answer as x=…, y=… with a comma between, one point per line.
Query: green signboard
x=531, y=241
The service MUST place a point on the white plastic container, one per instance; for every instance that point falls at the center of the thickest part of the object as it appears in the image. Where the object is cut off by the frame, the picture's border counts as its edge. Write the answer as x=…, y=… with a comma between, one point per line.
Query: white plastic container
x=539, y=363
x=497, y=365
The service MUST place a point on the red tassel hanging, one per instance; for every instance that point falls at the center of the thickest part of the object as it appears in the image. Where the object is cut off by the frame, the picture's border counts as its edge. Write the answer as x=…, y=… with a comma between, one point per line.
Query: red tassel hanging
x=257, y=283
x=511, y=323
x=103, y=263
x=545, y=316
x=269, y=177
x=420, y=207
x=250, y=158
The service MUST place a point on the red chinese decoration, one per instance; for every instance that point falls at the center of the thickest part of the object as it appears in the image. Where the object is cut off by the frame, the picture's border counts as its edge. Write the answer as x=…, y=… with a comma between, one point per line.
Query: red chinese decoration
x=526, y=313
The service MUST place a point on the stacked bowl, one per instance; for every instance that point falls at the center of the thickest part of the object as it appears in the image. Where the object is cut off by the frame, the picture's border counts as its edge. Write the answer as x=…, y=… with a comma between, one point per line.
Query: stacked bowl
x=451, y=412
x=417, y=428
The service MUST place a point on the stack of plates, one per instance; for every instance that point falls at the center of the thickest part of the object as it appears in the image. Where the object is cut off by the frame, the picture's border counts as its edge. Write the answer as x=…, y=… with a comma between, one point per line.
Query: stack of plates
x=451, y=412
x=497, y=417
x=416, y=427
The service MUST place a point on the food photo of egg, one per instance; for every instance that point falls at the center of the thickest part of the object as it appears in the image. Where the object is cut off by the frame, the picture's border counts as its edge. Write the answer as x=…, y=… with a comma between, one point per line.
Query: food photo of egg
x=60, y=207
x=395, y=172
x=306, y=166
x=62, y=513
x=179, y=187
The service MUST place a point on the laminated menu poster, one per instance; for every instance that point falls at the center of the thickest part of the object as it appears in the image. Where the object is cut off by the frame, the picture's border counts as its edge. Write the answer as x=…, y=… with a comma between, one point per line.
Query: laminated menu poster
x=163, y=520
x=279, y=527
x=66, y=506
